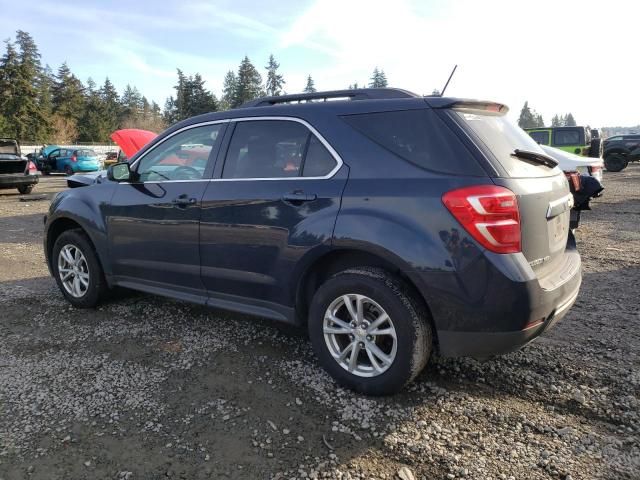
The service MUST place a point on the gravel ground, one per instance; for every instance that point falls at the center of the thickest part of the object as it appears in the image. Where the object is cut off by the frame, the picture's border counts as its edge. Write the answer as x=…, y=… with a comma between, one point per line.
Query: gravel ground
x=147, y=388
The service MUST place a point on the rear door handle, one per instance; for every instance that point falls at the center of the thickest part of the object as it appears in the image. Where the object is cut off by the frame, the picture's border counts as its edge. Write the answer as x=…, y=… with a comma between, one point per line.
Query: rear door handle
x=184, y=201
x=299, y=197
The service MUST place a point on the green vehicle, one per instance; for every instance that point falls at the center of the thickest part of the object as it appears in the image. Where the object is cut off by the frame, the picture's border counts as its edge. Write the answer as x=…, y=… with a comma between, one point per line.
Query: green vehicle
x=577, y=140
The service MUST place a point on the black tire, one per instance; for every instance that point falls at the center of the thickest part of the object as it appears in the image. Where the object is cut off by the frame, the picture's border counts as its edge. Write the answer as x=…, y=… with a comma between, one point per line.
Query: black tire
x=68, y=170
x=615, y=162
x=410, y=320
x=97, y=285
x=594, y=149
x=25, y=189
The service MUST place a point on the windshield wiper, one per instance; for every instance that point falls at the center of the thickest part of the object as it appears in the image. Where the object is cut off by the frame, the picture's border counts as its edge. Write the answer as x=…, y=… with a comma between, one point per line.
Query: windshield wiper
x=535, y=157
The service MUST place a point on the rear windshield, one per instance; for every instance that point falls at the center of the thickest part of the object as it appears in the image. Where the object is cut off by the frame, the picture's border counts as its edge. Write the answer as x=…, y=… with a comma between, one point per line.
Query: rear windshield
x=419, y=137
x=501, y=137
x=8, y=148
x=568, y=137
x=85, y=153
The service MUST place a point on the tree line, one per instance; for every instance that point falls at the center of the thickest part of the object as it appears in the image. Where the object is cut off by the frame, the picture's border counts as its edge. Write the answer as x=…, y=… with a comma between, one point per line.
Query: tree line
x=529, y=118
x=40, y=105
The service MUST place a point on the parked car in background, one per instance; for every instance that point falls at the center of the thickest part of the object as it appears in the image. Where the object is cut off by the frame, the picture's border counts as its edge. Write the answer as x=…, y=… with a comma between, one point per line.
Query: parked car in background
x=16, y=171
x=576, y=140
x=570, y=162
x=619, y=150
x=131, y=140
x=390, y=225
x=110, y=158
x=585, y=179
x=54, y=159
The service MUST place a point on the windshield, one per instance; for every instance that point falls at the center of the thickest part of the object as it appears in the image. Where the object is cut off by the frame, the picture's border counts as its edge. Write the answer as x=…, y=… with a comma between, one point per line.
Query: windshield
x=502, y=137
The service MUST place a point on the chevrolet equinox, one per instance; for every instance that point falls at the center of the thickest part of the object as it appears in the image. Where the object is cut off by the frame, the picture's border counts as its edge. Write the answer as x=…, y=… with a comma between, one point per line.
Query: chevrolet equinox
x=388, y=224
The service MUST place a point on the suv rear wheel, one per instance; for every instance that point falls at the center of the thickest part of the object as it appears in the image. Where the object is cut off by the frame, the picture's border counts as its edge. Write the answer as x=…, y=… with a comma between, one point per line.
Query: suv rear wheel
x=76, y=269
x=367, y=332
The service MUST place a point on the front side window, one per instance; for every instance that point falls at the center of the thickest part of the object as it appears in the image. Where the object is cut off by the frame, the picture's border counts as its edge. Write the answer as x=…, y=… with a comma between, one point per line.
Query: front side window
x=184, y=156
x=275, y=149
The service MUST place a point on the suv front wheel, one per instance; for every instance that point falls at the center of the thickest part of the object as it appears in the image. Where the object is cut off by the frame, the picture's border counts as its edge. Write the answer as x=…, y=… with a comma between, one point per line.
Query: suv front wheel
x=77, y=270
x=367, y=332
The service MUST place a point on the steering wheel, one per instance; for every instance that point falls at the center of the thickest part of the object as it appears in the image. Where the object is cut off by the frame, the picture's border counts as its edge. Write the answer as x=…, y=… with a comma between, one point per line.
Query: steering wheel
x=186, y=173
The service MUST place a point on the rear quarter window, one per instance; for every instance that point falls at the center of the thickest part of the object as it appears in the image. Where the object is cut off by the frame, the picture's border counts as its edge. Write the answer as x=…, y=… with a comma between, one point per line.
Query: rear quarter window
x=419, y=137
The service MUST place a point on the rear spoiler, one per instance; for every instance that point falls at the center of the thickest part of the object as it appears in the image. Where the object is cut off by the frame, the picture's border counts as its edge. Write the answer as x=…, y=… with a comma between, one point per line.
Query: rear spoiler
x=467, y=105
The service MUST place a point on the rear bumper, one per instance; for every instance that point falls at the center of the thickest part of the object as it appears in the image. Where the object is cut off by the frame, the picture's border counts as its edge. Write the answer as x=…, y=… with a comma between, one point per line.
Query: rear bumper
x=14, y=181
x=501, y=304
x=485, y=344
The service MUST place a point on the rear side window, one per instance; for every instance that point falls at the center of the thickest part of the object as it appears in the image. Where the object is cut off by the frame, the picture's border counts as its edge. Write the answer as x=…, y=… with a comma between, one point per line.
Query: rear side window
x=419, y=137
x=318, y=161
x=540, y=137
x=276, y=149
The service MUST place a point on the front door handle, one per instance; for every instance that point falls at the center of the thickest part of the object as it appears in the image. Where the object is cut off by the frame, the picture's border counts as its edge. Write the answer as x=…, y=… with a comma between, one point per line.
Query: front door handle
x=184, y=201
x=298, y=197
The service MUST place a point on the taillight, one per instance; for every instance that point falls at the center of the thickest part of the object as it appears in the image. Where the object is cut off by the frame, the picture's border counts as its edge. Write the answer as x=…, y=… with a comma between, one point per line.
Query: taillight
x=32, y=167
x=574, y=181
x=489, y=213
x=74, y=158
x=593, y=171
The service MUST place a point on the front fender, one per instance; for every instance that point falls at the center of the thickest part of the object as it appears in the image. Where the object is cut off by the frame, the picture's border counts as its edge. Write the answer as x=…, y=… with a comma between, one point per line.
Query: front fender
x=81, y=206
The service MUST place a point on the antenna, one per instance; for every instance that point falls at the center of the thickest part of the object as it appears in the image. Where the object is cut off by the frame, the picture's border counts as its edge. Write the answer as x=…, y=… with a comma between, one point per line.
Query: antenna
x=447, y=84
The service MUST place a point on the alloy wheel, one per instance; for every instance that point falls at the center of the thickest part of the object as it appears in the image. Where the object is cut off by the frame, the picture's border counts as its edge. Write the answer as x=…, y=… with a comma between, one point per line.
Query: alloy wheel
x=73, y=270
x=360, y=335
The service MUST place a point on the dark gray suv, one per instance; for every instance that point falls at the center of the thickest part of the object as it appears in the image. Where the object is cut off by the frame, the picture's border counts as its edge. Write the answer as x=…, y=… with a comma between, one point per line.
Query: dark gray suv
x=390, y=225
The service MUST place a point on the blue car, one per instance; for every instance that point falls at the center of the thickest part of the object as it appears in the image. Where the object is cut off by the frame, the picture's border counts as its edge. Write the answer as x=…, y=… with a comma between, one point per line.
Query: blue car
x=66, y=160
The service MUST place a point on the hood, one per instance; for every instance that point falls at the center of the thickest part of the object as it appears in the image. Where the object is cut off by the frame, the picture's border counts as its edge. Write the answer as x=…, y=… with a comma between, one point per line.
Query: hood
x=568, y=162
x=131, y=140
x=86, y=179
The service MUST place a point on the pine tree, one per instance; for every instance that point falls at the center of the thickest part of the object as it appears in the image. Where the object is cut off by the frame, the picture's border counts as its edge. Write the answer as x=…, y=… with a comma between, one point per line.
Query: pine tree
x=378, y=79
x=526, y=119
x=248, y=84
x=93, y=125
x=555, y=121
x=130, y=104
x=68, y=97
x=228, y=90
x=110, y=104
x=20, y=75
x=9, y=93
x=192, y=98
x=539, y=121
x=569, y=120
x=310, y=87
x=275, y=81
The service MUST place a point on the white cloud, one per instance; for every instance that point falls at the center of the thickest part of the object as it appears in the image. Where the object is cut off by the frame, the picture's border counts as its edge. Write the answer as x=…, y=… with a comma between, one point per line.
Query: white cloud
x=553, y=53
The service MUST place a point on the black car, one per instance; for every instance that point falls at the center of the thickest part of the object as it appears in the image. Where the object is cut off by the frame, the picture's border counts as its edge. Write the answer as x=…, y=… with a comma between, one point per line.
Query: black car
x=619, y=150
x=390, y=225
x=16, y=171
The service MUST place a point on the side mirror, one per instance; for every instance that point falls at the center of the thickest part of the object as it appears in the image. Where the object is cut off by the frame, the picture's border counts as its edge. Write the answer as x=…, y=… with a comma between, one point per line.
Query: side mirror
x=119, y=172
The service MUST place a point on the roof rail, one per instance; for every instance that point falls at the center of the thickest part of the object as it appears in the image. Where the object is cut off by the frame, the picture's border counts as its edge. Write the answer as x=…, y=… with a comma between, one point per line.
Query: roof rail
x=357, y=94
